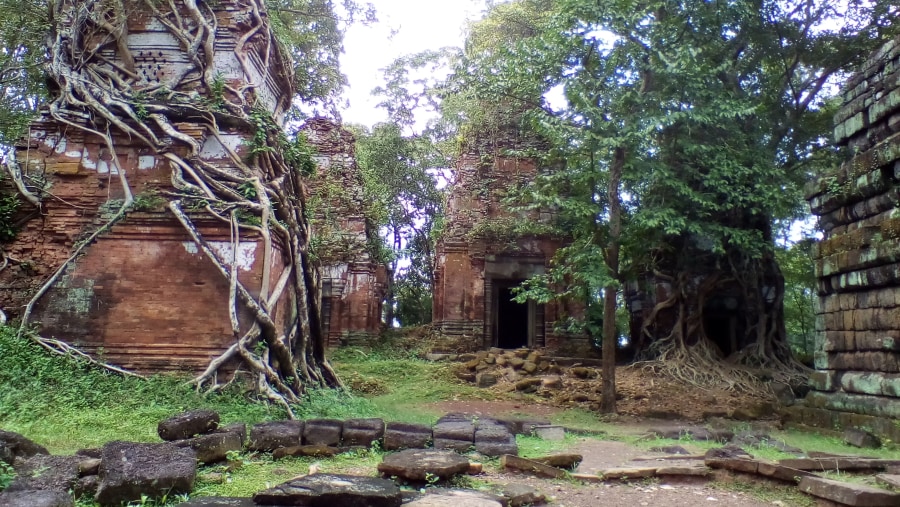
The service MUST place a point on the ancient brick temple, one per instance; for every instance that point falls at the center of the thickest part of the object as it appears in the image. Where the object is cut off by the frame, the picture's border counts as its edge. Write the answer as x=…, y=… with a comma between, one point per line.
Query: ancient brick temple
x=478, y=262
x=857, y=382
x=143, y=296
x=353, y=282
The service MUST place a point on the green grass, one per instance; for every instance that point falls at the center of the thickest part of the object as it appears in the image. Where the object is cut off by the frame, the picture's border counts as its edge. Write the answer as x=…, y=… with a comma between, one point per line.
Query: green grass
x=768, y=492
x=532, y=447
x=402, y=384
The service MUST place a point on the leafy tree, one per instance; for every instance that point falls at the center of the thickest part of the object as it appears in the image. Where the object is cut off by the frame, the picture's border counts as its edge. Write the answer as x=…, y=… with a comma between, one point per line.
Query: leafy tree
x=796, y=262
x=688, y=130
x=23, y=26
x=404, y=194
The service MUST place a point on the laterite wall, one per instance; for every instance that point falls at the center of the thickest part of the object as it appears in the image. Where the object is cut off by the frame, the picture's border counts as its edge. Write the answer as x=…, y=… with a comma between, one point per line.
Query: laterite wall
x=857, y=378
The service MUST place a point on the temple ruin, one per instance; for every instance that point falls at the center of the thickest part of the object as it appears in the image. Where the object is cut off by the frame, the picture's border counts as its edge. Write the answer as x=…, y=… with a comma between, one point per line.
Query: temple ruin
x=857, y=382
x=354, y=283
x=143, y=296
x=479, y=260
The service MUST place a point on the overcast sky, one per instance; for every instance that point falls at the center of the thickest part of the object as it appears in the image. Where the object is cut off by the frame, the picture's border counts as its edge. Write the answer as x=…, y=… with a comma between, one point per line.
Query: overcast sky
x=419, y=25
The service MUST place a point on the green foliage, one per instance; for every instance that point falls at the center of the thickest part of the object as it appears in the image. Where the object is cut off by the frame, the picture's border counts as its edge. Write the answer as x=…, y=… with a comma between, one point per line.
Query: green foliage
x=148, y=201
x=403, y=204
x=798, y=268
x=705, y=134
x=9, y=205
x=312, y=32
x=23, y=27
x=7, y=474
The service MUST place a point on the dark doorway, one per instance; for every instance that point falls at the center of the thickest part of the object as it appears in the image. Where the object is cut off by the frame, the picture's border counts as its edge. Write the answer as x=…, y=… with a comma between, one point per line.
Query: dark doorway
x=720, y=329
x=512, y=320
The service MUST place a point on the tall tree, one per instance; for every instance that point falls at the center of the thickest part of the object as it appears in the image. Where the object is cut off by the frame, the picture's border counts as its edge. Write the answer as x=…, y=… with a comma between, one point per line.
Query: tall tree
x=703, y=119
x=407, y=202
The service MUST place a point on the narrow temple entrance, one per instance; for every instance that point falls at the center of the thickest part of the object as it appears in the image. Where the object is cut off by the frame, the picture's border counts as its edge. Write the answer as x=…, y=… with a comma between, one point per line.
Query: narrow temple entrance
x=514, y=322
x=721, y=325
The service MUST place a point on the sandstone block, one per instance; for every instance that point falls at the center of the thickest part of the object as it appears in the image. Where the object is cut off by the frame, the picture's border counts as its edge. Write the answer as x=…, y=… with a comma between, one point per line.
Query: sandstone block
x=861, y=438
x=188, y=424
x=213, y=447
x=17, y=446
x=407, y=436
x=323, y=432
x=530, y=466
x=35, y=498
x=272, y=435
x=848, y=494
x=130, y=471
x=46, y=473
x=363, y=432
x=331, y=490
x=422, y=464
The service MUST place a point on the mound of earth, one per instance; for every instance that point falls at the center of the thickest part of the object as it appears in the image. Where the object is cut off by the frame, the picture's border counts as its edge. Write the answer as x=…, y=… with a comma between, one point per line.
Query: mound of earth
x=641, y=392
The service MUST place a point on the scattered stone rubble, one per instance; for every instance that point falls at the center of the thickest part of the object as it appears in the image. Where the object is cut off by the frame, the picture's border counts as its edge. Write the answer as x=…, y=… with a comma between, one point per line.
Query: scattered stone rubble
x=122, y=472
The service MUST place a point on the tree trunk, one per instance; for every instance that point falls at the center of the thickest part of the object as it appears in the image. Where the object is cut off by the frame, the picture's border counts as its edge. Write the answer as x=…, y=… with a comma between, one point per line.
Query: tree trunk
x=610, y=333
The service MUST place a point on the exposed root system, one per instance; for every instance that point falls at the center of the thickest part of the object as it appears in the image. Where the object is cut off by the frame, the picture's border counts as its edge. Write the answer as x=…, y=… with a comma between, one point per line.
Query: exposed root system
x=263, y=197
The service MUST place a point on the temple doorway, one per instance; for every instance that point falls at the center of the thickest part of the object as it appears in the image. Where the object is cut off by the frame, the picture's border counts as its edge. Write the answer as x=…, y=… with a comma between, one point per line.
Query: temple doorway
x=513, y=322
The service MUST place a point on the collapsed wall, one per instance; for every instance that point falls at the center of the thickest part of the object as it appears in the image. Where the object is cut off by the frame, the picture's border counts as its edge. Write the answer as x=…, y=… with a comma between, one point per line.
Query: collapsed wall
x=857, y=378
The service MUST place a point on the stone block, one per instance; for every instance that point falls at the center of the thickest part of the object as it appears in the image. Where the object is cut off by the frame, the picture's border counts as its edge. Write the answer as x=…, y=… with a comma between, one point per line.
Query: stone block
x=213, y=447
x=46, y=473
x=422, y=464
x=845, y=493
x=531, y=467
x=363, y=432
x=862, y=383
x=332, y=490
x=861, y=438
x=36, y=498
x=888, y=104
x=188, y=424
x=17, y=446
x=323, y=432
x=485, y=379
x=238, y=428
x=455, y=432
x=130, y=471
x=269, y=436
x=399, y=436
x=822, y=381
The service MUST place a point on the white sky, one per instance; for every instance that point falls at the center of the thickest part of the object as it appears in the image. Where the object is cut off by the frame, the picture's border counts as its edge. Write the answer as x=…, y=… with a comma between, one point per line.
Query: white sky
x=420, y=25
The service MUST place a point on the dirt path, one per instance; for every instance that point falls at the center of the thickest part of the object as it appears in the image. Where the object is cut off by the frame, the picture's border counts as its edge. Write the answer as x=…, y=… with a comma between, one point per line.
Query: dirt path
x=601, y=455
x=650, y=493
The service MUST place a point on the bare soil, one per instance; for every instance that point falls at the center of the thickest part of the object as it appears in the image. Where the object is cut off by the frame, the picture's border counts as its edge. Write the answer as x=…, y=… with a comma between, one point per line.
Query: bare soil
x=641, y=393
